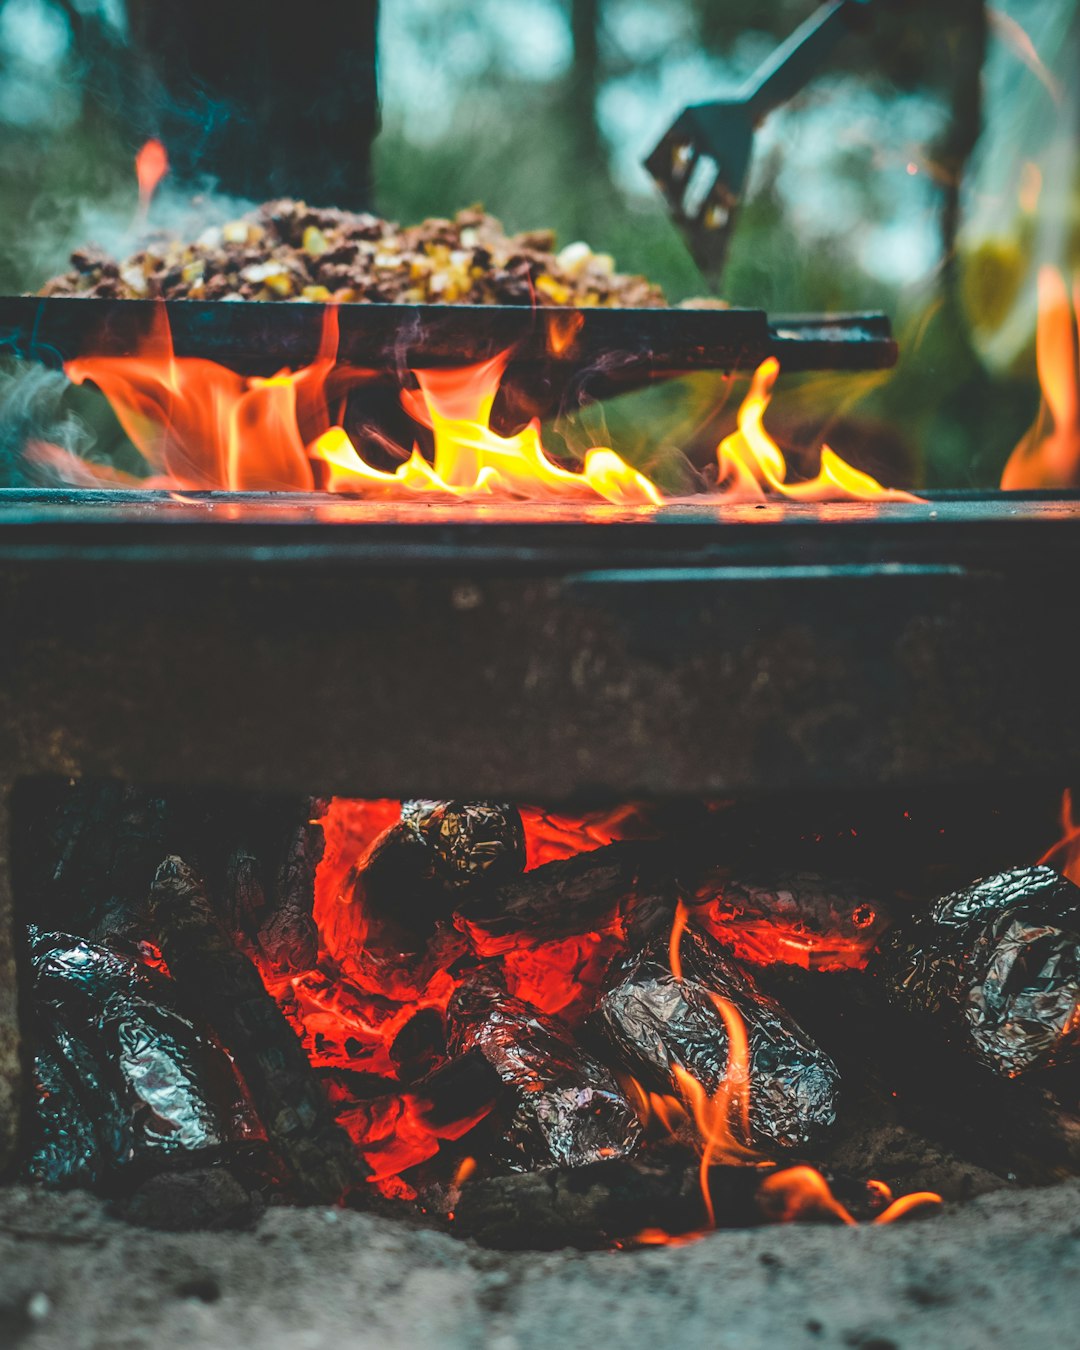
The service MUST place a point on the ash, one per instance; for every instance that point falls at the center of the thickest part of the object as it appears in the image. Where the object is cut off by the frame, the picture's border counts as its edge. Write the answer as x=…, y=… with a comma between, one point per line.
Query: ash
x=1001, y=1271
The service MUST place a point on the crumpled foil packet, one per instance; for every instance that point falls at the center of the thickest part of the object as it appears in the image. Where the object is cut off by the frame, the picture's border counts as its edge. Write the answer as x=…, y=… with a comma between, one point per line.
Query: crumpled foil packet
x=656, y=1022
x=568, y=1110
x=997, y=966
x=154, y=1084
x=471, y=841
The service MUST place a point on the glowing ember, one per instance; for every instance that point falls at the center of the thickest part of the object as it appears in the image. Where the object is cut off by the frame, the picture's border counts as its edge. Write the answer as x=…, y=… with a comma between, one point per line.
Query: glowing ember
x=365, y=991
x=1049, y=455
x=200, y=426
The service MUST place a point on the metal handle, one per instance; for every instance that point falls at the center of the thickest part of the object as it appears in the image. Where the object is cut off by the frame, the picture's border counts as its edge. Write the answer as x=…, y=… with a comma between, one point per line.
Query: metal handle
x=796, y=61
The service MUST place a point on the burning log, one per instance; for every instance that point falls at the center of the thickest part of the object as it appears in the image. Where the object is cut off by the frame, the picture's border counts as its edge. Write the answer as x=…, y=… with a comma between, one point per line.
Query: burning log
x=567, y=1107
x=797, y=917
x=1016, y=1128
x=275, y=1067
x=577, y=894
x=153, y=1085
x=666, y=1024
x=288, y=939
x=629, y=1201
x=997, y=966
x=596, y=1205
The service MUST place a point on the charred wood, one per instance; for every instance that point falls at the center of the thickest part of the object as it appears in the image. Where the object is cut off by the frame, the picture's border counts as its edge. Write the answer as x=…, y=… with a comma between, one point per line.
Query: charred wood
x=208, y=967
x=567, y=1107
x=462, y=1087
x=419, y=1045
x=578, y=894
x=605, y=1202
x=1013, y=1128
x=85, y=852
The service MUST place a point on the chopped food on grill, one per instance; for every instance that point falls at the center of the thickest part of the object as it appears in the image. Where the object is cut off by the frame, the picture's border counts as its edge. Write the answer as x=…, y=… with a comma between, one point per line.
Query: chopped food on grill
x=997, y=967
x=286, y=250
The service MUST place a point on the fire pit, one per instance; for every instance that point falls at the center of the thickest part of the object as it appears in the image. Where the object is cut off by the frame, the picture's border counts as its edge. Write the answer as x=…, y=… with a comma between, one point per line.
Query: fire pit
x=432, y=819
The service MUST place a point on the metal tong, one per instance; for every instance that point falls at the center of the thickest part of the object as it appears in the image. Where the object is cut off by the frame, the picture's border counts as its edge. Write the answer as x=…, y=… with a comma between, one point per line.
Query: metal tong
x=701, y=163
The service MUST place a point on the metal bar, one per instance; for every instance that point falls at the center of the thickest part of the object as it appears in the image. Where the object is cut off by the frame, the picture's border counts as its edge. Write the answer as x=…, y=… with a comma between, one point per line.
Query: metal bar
x=615, y=343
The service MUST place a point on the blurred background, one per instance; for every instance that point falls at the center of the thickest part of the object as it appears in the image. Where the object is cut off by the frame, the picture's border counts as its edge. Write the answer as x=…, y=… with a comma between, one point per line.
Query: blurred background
x=929, y=171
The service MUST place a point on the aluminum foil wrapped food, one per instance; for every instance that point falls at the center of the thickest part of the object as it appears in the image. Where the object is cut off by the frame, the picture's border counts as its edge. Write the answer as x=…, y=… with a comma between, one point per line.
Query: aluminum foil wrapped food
x=657, y=1022
x=997, y=968
x=155, y=1083
x=567, y=1109
x=470, y=841
x=66, y=1147
x=415, y=872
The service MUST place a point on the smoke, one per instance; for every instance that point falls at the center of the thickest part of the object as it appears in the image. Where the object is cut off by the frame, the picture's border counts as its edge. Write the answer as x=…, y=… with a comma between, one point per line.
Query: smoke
x=32, y=415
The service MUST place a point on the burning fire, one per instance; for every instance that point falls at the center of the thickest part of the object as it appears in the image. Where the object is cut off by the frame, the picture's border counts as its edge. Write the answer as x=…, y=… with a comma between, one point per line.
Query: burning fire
x=364, y=991
x=1065, y=854
x=1049, y=455
x=721, y=1124
x=199, y=426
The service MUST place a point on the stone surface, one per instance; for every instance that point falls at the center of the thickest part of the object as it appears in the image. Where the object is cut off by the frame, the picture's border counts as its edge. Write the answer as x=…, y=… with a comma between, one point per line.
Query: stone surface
x=1002, y=1271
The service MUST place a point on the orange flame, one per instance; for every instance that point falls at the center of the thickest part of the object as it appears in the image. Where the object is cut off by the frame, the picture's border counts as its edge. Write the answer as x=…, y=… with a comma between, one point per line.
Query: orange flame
x=200, y=425
x=792, y=1194
x=1065, y=854
x=1049, y=455
x=151, y=166
x=750, y=460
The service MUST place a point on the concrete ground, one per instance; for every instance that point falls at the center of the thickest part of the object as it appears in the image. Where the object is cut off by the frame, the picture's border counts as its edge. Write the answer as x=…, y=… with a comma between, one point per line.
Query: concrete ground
x=1001, y=1271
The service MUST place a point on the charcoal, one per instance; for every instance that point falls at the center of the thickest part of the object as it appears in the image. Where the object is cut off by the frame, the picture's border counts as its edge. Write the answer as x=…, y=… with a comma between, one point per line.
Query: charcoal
x=419, y=1045
x=207, y=1199
x=567, y=1109
x=206, y=964
x=656, y=1022
x=996, y=967
x=471, y=841
x=178, y=1088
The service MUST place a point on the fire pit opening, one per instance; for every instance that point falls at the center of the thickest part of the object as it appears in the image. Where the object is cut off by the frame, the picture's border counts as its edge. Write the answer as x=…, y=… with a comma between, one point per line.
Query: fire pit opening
x=540, y=1027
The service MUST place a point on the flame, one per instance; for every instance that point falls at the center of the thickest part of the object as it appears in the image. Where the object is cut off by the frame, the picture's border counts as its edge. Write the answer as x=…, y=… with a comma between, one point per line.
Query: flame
x=750, y=460
x=349, y=1009
x=1049, y=455
x=722, y=1125
x=798, y=1193
x=1065, y=854
x=151, y=166
x=199, y=425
